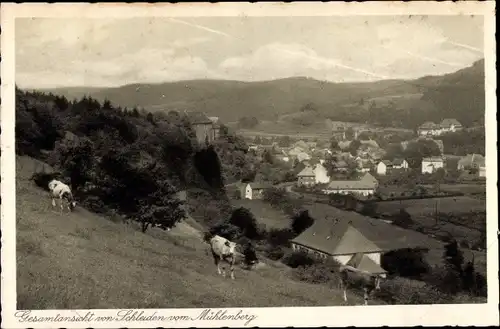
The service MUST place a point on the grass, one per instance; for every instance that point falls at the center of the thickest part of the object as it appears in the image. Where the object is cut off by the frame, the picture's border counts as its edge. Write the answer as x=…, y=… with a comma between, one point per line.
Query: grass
x=424, y=207
x=464, y=188
x=264, y=213
x=82, y=260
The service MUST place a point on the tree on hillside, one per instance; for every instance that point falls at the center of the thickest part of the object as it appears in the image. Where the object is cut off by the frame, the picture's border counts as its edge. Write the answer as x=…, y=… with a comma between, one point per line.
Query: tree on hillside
x=349, y=133
x=301, y=222
x=403, y=219
x=284, y=141
x=394, y=151
x=353, y=147
x=334, y=144
x=417, y=150
x=309, y=107
x=453, y=259
x=248, y=122
x=267, y=157
x=245, y=220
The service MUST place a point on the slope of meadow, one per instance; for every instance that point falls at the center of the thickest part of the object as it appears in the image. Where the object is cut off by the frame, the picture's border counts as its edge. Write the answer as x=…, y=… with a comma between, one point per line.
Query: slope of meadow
x=83, y=260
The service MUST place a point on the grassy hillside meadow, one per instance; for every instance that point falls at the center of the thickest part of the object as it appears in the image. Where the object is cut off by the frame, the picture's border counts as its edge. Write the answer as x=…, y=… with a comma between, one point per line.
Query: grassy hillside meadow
x=264, y=213
x=82, y=260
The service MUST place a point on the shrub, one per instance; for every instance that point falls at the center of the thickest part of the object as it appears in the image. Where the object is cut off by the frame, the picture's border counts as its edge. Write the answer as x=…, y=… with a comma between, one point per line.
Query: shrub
x=405, y=262
x=280, y=237
x=298, y=258
x=403, y=219
x=275, y=253
x=245, y=220
x=301, y=222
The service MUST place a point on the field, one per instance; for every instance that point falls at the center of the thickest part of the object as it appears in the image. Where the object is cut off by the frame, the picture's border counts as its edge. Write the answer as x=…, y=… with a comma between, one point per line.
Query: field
x=464, y=188
x=82, y=260
x=423, y=213
x=424, y=207
x=264, y=213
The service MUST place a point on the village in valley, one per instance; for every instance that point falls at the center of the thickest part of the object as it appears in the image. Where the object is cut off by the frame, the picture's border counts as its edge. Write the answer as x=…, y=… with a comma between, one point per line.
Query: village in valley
x=373, y=193
x=324, y=186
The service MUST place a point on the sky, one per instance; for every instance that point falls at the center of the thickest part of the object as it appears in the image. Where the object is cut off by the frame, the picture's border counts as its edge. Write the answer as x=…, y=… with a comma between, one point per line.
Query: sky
x=96, y=52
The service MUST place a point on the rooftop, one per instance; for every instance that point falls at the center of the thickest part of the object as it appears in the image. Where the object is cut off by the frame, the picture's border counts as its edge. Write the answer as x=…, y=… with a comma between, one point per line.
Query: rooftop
x=306, y=172
x=196, y=117
x=338, y=232
x=448, y=122
x=259, y=185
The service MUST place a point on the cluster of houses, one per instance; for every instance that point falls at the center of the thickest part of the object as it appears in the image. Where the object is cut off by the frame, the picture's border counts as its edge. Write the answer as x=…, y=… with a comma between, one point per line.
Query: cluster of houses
x=436, y=129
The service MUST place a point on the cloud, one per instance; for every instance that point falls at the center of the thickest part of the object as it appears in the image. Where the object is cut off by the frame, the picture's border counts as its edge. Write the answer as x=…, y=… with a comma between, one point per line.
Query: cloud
x=279, y=60
x=113, y=52
x=201, y=27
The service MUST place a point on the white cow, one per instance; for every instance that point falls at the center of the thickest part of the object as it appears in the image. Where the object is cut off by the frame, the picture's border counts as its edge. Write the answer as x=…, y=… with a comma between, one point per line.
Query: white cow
x=62, y=191
x=223, y=250
x=351, y=276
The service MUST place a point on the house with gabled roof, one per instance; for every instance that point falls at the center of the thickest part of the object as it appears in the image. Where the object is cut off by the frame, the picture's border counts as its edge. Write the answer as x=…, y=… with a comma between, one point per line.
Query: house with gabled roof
x=306, y=177
x=356, y=240
x=206, y=129
x=450, y=125
x=431, y=164
x=429, y=128
x=400, y=164
x=365, y=186
x=471, y=161
x=255, y=190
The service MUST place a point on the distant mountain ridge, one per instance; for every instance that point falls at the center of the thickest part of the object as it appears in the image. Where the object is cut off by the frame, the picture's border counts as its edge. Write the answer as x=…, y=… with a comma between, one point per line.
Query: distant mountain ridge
x=459, y=94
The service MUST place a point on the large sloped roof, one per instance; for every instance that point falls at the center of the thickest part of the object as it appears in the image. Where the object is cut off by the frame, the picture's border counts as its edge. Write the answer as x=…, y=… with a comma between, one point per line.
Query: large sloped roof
x=307, y=171
x=196, y=117
x=339, y=232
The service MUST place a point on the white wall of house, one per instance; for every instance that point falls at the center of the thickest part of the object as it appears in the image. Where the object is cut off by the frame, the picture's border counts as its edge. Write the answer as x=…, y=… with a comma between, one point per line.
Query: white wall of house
x=482, y=171
x=342, y=259
x=381, y=168
x=248, y=192
x=428, y=167
x=375, y=256
x=364, y=192
x=321, y=174
x=403, y=165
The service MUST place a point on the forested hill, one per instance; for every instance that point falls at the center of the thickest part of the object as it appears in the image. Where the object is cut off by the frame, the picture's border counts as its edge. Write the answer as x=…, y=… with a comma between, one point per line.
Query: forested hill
x=389, y=102
x=121, y=160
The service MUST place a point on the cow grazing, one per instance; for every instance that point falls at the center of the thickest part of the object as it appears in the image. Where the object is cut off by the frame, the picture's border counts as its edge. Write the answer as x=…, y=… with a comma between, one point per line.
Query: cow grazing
x=62, y=191
x=350, y=276
x=223, y=250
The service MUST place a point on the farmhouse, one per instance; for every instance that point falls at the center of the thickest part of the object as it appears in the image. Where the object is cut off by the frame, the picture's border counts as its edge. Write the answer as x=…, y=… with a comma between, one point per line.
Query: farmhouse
x=320, y=174
x=383, y=167
x=353, y=239
x=450, y=125
x=471, y=161
x=306, y=177
x=207, y=130
x=255, y=191
x=364, y=186
x=429, y=128
x=312, y=175
x=400, y=164
x=431, y=164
